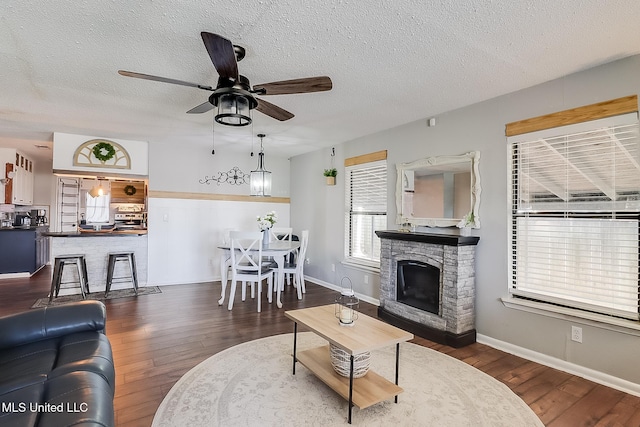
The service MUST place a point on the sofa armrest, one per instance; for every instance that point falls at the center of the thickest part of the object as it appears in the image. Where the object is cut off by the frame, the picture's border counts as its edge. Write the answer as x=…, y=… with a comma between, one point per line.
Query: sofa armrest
x=51, y=322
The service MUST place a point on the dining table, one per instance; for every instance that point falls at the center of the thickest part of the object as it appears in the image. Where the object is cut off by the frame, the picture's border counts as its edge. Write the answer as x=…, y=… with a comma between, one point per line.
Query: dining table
x=277, y=250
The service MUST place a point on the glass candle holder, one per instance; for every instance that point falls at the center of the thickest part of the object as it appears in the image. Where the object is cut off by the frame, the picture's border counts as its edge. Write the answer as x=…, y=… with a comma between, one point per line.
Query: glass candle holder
x=346, y=306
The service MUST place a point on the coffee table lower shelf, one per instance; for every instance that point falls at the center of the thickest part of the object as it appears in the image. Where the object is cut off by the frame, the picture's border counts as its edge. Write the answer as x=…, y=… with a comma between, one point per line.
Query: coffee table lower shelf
x=367, y=391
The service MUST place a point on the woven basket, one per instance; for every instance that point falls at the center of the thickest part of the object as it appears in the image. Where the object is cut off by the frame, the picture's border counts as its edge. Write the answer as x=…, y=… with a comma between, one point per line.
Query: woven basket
x=340, y=361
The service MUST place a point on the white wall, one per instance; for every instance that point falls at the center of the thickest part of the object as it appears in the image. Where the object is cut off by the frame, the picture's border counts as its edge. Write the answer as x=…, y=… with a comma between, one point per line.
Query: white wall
x=184, y=236
x=477, y=127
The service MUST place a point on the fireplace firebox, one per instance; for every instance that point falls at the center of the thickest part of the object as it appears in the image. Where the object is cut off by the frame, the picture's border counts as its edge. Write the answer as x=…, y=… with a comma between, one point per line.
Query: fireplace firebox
x=419, y=285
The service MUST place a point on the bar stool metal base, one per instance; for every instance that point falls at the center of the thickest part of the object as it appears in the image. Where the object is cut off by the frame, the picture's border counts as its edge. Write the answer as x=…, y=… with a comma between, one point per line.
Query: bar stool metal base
x=133, y=277
x=58, y=268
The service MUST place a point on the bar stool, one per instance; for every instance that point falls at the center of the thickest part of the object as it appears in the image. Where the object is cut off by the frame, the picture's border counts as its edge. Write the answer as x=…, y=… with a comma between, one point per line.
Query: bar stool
x=58, y=268
x=133, y=277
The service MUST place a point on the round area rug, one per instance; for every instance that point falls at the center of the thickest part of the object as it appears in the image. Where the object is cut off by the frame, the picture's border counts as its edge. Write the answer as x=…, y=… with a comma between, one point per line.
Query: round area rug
x=252, y=384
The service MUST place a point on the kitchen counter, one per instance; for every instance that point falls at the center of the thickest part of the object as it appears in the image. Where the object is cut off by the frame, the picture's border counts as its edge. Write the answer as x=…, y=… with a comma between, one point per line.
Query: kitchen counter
x=95, y=233
x=96, y=247
x=23, y=227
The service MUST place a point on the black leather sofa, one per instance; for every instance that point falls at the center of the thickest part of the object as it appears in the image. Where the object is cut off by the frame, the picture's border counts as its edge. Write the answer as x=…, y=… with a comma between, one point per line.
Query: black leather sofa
x=56, y=367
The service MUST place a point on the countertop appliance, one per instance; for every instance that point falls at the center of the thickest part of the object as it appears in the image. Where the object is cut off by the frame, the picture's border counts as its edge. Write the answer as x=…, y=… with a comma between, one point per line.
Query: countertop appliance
x=39, y=216
x=22, y=219
x=130, y=220
x=131, y=207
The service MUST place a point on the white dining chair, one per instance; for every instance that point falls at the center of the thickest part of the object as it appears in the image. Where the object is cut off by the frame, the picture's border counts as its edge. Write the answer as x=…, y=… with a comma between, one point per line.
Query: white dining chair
x=225, y=266
x=282, y=233
x=246, y=255
x=226, y=241
x=296, y=268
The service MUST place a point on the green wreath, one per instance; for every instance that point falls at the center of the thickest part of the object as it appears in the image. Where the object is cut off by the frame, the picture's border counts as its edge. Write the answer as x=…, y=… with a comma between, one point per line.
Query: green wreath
x=130, y=190
x=97, y=151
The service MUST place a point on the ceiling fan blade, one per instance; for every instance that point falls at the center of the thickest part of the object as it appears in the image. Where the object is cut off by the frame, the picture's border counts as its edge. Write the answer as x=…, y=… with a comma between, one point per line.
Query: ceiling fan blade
x=202, y=108
x=273, y=110
x=222, y=55
x=284, y=87
x=163, y=79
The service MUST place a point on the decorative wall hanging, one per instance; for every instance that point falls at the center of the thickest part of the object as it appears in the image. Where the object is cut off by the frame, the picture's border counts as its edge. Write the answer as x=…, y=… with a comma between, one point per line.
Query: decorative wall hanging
x=102, y=153
x=234, y=177
x=130, y=190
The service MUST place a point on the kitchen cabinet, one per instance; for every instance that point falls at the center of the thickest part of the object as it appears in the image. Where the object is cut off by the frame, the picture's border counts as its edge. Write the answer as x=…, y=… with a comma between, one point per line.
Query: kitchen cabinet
x=19, y=189
x=24, y=250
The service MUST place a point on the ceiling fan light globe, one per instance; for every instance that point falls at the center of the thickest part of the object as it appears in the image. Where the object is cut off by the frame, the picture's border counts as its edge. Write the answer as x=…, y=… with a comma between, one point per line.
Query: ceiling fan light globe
x=233, y=110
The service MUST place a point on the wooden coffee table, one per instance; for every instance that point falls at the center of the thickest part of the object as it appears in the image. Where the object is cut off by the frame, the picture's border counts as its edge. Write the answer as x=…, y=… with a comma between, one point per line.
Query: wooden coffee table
x=365, y=335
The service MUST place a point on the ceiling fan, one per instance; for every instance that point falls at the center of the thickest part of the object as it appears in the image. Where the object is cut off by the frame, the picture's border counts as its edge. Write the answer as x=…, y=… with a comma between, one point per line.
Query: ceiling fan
x=234, y=96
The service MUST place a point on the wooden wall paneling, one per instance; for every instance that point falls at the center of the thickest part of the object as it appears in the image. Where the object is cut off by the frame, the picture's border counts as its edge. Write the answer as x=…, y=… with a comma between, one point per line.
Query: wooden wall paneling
x=119, y=196
x=600, y=110
x=366, y=158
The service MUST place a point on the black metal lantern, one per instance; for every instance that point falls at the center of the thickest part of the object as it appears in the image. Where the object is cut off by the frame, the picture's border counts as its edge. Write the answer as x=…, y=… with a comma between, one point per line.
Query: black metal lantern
x=234, y=103
x=260, y=180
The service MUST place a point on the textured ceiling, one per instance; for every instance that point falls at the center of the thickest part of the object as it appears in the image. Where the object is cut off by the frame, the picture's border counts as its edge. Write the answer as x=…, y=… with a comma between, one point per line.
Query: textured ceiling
x=391, y=62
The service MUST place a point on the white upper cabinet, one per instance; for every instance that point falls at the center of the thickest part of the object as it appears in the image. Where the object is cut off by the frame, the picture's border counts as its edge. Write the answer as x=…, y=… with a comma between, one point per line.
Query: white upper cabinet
x=19, y=171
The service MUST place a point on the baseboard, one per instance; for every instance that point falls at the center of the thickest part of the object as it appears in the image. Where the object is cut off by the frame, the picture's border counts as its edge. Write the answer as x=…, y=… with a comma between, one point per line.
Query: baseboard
x=562, y=365
x=337, y=288
x=14, y=275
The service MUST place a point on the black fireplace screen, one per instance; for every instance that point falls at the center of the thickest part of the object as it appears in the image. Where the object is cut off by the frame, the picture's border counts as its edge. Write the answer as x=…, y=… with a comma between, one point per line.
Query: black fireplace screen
x=418, y=285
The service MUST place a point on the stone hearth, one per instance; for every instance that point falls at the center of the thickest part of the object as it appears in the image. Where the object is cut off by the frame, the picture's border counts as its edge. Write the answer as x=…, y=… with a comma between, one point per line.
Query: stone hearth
x=454, y=256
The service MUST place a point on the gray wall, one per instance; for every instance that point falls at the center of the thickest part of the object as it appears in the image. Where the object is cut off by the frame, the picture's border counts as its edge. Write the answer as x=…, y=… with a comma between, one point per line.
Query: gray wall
x=321, y=209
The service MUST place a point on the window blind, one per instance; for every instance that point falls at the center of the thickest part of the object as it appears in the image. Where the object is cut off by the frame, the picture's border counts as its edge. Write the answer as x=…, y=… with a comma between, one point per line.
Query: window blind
x=367, y=209
x=574, y=208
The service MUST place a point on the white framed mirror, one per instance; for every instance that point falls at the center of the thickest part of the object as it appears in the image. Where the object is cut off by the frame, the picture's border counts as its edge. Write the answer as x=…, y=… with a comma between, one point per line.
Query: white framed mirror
x=440, y=191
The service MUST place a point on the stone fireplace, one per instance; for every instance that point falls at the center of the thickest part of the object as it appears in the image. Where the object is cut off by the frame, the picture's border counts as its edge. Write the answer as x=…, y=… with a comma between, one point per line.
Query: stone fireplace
x=427, y=285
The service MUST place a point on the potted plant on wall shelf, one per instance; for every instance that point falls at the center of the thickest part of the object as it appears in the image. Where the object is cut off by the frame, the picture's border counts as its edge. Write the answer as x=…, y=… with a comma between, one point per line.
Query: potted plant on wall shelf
x=330, y=176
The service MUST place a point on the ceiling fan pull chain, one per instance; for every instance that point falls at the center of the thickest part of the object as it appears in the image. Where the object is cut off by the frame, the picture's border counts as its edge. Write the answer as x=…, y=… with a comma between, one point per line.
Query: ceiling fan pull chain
x=213, y=138
x=252, y=139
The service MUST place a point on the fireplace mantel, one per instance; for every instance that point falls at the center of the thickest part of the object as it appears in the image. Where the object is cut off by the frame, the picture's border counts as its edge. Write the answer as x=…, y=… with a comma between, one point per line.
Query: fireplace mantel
x=433, y=238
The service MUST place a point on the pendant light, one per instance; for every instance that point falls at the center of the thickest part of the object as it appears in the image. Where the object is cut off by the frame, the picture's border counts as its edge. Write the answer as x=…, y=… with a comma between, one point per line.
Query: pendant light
x=261, y=178
x=98, y=190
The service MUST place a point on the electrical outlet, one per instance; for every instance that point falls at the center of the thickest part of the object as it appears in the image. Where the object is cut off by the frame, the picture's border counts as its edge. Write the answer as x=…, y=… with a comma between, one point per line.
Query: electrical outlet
x=366, y=278
x=308, y=261
x=576, y=334
x=333, y=267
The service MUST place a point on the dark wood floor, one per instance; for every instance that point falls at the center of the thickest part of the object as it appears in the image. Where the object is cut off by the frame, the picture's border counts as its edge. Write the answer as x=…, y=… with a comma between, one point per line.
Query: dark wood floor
x=157, y=338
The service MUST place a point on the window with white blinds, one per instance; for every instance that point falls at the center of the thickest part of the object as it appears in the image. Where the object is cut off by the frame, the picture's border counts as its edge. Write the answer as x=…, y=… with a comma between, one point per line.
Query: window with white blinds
x=366, y=200
x=574, y=210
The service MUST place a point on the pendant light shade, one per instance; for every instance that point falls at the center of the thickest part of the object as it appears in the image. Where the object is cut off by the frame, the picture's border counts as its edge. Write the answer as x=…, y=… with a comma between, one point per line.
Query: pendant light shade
x=234, y=103
x=261, y=178
x=100, y=189
x=233, y=110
